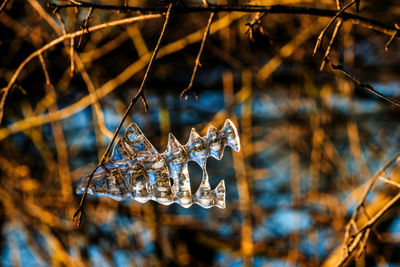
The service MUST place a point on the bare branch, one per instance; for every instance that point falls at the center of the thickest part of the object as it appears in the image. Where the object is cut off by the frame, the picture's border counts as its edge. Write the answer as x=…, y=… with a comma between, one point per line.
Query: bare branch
x=328, y=49
x=46, y=73
x=3, y=5
x=253, y=23
x=394, y=35
x=351, y=242
x=323, y=32
x=140, y=94
x=85, y=27
x=92, y=91
x=197, y=63
x=273, y=9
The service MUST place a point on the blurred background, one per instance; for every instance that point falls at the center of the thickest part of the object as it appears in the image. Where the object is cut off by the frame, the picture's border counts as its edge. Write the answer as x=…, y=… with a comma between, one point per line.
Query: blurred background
x=311, y=139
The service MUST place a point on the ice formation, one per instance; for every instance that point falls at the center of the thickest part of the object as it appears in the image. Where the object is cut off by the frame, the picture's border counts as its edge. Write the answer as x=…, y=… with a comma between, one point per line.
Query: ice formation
x=137, y=170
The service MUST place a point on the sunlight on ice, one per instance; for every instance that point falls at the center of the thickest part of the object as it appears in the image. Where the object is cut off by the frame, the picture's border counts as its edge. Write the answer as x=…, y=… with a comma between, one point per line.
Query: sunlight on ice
x=137, y=170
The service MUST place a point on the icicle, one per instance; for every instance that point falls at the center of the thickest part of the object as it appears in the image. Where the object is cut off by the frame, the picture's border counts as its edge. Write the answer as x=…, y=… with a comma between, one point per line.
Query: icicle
x=137, y=170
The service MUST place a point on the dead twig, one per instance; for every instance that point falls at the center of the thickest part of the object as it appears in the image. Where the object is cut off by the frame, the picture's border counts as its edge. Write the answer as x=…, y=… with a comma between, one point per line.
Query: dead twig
x=362, y=84
x=323, y=32
x=197, y=63
x=358, y=5
x=92, y=91
x=352, y=241
x=273, y=9
x=335, y=32
x=45, y=71
x=3, y=5
x=84, y=27
x=377, y=216
x=394, y=35
x=328, y=49
x=112, y=84
x=251, y=25
x=140, y=94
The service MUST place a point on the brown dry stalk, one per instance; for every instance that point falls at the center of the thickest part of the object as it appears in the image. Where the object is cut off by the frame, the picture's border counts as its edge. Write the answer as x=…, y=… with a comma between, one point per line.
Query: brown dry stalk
x=350, y=246
x=323, y=32
x=3, y=5
x=328, y=49
x=362, y=84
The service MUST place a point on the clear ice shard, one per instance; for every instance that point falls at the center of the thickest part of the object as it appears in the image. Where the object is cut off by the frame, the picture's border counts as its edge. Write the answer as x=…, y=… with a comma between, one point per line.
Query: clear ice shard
x=137, y=170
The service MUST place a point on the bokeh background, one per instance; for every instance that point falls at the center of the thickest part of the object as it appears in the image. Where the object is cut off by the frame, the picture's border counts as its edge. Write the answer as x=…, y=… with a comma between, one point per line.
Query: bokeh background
x=310, y=139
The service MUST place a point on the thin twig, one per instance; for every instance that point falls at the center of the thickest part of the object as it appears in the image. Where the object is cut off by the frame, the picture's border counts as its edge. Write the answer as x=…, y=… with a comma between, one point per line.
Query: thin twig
x=85, y=27
x=79, y=211
x=3, y=5
x=253, y=23
x=62, y=24
x=338, y=4
x=92, y=91
x=197, y=63
x=358, y=5
x=394, y=35
x=71, y=55
x=387, y=181
x=323, y=32
x=363, y=85
x=46, y=73
x=46, y=16
x=377, y=216
x=328, y=49
x=349, y=247
x=71, y=44
x=274, y=9
x=335, y=32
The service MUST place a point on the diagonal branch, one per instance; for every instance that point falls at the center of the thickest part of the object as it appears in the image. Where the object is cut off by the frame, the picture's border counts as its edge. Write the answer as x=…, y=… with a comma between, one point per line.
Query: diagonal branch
x=323, y=32
x=328, y=49
x=362, y=84
x=140, y=94
x=112, y=84
x=84, y=26
x=356, y=239
x=3, y=5
x=394, y=35
x=197, y=63
x=335, y=32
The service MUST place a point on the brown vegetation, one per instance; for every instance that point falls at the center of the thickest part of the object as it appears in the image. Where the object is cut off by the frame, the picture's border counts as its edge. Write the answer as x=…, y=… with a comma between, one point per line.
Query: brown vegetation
x=311, y=84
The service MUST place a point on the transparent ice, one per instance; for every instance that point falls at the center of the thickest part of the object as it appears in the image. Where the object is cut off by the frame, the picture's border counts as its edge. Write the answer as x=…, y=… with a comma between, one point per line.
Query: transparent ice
x=137, y=170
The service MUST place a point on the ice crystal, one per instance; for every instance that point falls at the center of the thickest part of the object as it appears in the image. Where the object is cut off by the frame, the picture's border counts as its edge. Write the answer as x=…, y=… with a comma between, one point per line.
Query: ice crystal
x=137, y=170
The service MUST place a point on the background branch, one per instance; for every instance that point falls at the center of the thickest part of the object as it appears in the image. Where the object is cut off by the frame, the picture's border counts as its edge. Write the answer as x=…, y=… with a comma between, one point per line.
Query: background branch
x=362, y=84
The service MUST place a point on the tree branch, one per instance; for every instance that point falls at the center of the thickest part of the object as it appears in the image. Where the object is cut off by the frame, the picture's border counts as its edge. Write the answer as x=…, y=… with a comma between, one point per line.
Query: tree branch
x=140, y=94
x=3, y=5
x=362, y=84
x=273, y=9
x=197, y=63
x=323, y=32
